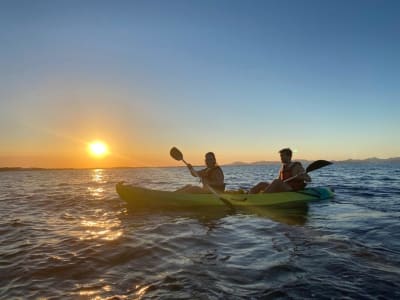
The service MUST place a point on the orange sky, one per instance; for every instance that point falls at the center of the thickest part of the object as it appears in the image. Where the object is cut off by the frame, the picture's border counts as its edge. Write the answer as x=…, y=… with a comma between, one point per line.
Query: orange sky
x=159, y=79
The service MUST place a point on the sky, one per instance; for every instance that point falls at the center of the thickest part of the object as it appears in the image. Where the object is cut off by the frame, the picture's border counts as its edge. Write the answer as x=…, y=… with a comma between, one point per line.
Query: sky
x=240, y=78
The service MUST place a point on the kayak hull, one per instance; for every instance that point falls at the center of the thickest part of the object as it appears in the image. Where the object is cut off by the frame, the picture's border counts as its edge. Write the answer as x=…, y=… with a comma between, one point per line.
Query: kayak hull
x=138, y=197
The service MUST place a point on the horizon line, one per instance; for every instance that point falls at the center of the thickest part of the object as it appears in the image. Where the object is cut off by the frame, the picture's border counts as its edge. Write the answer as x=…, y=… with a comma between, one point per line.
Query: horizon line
x=237, y=163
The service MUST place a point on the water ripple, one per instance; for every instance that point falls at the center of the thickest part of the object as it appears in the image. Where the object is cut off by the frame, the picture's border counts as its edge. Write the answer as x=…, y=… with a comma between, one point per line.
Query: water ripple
x=66, y=234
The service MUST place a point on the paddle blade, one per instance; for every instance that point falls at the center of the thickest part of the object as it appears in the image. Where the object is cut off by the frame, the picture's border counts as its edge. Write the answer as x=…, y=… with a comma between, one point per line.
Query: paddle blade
x=176, y=154
x=318, y=164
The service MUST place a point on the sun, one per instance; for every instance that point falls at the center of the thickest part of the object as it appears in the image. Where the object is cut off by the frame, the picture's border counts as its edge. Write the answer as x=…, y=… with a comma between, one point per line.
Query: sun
x=98, y=149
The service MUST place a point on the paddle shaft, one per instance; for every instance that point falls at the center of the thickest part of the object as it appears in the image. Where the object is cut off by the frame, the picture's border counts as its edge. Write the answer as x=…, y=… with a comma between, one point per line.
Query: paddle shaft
x=293, y=177
x=318, y=164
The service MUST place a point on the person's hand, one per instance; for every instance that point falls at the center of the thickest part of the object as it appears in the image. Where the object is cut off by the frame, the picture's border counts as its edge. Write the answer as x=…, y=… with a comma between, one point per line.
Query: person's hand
x=307, y=178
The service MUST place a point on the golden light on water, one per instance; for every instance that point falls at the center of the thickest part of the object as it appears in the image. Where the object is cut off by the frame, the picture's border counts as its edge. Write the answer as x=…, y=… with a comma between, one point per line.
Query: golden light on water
x=93, y=292
x=108, y=230
x=103, y=224
x=98, y=176
x=98, y=149
x=142, y=290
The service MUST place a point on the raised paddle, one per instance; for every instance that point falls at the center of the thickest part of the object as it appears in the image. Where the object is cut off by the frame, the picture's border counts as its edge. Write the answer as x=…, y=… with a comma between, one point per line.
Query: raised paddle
x=318, y=164
x=177, y=155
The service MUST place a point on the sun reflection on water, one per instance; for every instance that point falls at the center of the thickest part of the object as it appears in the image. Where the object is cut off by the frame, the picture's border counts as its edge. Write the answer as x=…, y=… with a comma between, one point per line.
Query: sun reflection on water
x=96, y=192
x=142, y=291
x=93, y=291
x=98, y=176
x=88, y=293
x=108, y=230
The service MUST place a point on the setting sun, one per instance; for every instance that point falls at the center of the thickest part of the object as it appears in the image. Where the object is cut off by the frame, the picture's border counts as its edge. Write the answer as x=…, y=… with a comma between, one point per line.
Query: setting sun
x=98, y=149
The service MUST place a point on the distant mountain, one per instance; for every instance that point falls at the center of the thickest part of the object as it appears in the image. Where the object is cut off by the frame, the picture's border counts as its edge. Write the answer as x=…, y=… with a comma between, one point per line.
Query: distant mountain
x=237, y=163
x=5, y=169
x=371, y=160
x=304, y=161
x=242, y=163
x=20, y=169
x=258, y=163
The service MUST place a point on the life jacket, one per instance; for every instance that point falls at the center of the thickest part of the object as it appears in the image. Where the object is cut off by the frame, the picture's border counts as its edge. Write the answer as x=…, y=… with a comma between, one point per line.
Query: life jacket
x=286, y=172
x=211, y=175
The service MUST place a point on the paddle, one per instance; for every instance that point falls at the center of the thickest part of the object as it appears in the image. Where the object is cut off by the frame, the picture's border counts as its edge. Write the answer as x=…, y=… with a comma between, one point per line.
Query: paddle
x=318, y=164
x=177, y=155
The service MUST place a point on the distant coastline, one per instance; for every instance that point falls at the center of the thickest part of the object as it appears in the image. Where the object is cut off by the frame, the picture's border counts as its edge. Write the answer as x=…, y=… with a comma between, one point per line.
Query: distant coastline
x=367, y=160
x=372, y=160
x=12, y=169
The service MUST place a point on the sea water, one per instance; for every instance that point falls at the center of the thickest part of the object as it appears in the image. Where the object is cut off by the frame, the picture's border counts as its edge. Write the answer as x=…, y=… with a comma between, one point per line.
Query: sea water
x=65, y=234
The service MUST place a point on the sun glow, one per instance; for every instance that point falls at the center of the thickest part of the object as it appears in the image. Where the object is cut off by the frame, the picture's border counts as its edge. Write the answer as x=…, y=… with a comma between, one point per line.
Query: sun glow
x=98, y=149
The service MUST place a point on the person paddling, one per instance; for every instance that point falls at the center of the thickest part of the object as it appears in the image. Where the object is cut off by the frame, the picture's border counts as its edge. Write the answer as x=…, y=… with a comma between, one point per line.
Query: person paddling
x=212, y=175
x=292, y=177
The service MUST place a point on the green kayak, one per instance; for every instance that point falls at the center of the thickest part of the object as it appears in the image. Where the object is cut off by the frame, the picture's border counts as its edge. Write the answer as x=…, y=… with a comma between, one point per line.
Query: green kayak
x=138, y=197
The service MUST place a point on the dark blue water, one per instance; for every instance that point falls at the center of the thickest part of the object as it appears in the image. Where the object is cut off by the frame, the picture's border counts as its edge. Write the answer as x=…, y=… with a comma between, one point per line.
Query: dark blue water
x=67, y=235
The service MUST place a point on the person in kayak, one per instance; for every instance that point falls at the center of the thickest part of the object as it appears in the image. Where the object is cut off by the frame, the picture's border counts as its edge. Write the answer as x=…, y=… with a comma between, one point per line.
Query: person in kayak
x=293, y=171
x=212, y=176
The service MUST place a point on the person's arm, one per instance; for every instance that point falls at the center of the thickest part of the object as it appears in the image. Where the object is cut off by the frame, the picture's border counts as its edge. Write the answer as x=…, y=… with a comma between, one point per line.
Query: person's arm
x=299, y=170
x=193, y=171
x=201, y=173
x=280, y=173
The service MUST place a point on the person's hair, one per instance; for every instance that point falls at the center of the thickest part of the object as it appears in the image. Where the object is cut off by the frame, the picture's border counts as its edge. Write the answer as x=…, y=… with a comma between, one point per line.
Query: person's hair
x=211, y=154
x=286, y=151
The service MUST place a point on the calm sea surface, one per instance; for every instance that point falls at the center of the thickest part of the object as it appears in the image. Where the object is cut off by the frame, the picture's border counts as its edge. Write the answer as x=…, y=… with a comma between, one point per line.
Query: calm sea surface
x=67, y=235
